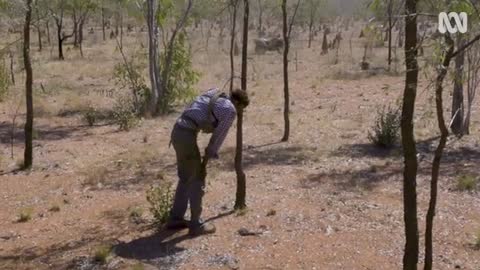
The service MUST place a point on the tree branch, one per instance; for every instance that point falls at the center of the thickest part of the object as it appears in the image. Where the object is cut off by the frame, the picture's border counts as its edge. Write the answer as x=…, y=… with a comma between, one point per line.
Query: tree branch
x=466, y=45
x=293, y=19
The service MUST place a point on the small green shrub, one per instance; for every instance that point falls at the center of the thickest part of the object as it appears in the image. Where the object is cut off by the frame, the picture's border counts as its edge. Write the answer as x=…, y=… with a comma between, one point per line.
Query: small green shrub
x=385, y=132
x=128, y=75
x=90, y=116
x=136, y=214
x=102, y=253
x=181, y=79
x=467, y=183
x=124, y=114
x=160, y=199
x=25, y=215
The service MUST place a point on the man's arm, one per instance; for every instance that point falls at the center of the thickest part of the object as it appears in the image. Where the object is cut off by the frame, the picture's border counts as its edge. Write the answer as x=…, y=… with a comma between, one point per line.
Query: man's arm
x=226, y=116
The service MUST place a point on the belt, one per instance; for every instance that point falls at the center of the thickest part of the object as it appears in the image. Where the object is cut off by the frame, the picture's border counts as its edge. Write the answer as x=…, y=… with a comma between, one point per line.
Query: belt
x=178, y=124
x=187, y=123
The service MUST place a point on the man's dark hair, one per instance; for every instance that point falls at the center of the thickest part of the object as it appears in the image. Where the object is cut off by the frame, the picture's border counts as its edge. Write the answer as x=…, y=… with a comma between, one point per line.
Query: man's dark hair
x=240, y=97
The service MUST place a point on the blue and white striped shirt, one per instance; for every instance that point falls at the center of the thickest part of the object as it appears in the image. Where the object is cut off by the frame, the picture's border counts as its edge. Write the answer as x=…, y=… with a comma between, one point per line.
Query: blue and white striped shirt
x=224, y=112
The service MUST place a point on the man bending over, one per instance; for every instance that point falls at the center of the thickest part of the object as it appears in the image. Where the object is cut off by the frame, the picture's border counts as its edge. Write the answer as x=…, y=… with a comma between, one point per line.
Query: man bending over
x=212, y=112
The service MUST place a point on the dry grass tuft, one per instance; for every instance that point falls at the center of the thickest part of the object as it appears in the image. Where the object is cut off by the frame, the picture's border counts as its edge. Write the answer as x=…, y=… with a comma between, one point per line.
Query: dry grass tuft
x=102, y=254
x=25, y=215
x=467, y=183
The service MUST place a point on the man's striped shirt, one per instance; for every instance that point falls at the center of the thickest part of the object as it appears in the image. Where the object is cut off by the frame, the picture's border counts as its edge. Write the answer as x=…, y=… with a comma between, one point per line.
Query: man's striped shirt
x=198, y=112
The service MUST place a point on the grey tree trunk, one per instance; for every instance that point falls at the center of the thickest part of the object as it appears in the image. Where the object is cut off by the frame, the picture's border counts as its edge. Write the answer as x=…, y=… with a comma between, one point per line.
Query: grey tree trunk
x=153, y=65
x=457, y=99
x=28, y=154
x=103, y=24
x=232, y=43
x=47, y=27
x=390, y=26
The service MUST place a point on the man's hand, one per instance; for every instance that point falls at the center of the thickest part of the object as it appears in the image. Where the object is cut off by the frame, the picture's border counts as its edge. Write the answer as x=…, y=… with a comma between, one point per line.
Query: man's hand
x=210, y=155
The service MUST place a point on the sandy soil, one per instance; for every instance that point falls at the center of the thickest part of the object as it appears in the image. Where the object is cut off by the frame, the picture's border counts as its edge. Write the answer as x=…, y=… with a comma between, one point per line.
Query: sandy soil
x=327, y=199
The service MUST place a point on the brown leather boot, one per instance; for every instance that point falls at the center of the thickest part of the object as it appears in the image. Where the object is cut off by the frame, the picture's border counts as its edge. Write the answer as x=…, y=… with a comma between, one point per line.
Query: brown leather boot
x=203, y=228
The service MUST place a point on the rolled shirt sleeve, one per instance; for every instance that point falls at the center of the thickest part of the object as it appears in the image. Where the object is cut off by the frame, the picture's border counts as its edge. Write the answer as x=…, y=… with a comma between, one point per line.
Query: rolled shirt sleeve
x=225, y=113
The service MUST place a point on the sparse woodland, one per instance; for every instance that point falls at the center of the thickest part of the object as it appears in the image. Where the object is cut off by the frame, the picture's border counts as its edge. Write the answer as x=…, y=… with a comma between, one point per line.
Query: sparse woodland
x=359, y=148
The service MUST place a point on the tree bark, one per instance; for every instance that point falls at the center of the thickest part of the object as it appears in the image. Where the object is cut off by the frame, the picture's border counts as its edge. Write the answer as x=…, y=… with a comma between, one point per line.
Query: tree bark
x=39, y=32
x=310, y=32
x=60, y=41
x=410, y=258
x=286, y=94
x=153, y=68
x=75, y=29
x=232, y=43
x=457, y=99
x=325, y=42
x=28, y=154
x=47, y=27
x=390, y=26
x=260, y=16
x=241, y=178
x=12, y=72
x=103, y=24
x=438, y=153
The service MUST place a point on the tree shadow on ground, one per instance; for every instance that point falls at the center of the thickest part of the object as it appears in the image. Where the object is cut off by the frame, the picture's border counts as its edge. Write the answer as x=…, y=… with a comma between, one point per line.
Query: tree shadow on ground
x=279, y=155
x=41, y=133
x=53, y=256
x=361, y=150
x=456, y=161
x=353, y=180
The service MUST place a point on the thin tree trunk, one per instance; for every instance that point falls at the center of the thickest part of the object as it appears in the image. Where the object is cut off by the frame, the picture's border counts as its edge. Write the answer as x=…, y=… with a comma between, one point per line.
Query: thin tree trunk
x=39, y=32
x=153, y=67
x=232, y=43
x=28, y=154
x=60, y=38
x=241, y=178
x=410, y=258
x=310, y=33
x=390, y=26
x=260, y=16
x=438, y=154
x=286, y=39
x=325, y=42
x=103, y=24
x=473, y=60
x=121, y=30
x=39, y=29
x=12, y=72
x=47, y=27
x=457, y=99
x=80, y=33
x=75, y=29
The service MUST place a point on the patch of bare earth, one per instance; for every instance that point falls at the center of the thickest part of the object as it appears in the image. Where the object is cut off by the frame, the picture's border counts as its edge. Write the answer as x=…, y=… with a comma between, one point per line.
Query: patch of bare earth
x=325, y=200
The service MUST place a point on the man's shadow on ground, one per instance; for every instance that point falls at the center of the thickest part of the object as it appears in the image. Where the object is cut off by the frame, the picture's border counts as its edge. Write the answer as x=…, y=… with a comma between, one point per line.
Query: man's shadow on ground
x=161, y=244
